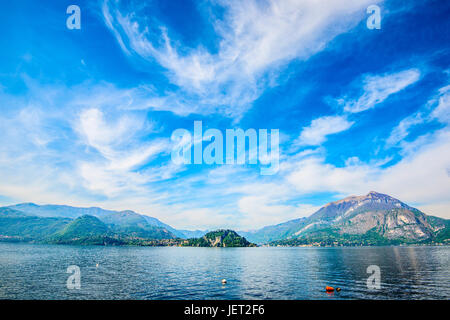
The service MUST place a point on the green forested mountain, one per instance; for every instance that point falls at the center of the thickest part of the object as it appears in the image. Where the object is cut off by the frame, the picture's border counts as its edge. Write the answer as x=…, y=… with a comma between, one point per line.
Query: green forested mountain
x=85, y=230
x=15, y=225
x=84, y=226
x=140, y=224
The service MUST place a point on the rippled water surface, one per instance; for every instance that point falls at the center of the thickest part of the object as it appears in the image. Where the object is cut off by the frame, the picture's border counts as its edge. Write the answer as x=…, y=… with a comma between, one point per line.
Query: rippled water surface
x=39, y=272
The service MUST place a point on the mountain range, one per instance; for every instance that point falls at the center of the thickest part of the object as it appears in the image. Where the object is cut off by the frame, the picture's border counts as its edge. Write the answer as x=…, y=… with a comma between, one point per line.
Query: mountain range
x=370, y=220
x=118, y=220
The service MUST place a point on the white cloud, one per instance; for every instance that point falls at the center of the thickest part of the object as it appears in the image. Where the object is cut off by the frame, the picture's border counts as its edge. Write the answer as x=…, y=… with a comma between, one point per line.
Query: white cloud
x=183, y=217
x=121, y=152
x=260, y=211
x=314, y=175
x=116, y=141
x=377, y=88
x=401, y=131
x=320, y=128
x=255, y=39
x=101, y=135
x=442, y=111
x=420, y=178
x=61, y=141
x=437, y=108
x=436, y=208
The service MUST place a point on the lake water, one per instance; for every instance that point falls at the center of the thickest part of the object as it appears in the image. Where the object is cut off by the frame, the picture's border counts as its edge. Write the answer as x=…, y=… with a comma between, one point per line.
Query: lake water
x=39, y=272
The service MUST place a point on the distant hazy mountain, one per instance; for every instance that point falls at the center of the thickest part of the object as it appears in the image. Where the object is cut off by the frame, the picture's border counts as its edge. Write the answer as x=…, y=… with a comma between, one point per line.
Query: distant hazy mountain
x=374, y=217
x=47, y=224
x=276, y=232
x=121, y=219
x=15, y=225
x=193, y=234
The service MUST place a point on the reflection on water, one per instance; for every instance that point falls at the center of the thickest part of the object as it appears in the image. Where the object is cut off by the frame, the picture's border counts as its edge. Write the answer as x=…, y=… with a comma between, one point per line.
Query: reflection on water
x=39, y=272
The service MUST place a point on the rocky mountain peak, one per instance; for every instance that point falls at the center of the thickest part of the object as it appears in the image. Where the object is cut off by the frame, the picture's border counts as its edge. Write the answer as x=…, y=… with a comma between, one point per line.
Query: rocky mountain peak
x=373, y=201
x=372, y=196
x=377, y=195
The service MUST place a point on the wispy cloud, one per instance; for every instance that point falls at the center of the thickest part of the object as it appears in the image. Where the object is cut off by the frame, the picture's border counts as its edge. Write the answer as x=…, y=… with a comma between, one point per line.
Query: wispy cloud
x=115, y=140
x=442, y=110
x=320, y=128
x=377, y=88
x=401, y=131
x=436, y=109
x=256, y=39
x=65, y=132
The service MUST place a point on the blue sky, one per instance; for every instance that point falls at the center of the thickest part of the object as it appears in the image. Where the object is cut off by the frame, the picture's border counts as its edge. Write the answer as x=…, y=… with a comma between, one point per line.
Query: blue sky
x=87, y=115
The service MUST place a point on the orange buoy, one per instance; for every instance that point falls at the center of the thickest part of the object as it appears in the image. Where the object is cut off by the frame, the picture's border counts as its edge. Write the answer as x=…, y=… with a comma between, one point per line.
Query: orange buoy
x=338, y=289
x=329, y=289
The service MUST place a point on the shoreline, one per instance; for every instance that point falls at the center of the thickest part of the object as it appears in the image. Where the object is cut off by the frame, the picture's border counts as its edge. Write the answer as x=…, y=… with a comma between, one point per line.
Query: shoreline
x=14, y=241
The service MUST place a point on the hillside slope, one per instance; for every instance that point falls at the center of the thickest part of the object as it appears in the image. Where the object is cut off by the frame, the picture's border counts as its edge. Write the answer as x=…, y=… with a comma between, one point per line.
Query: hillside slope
x=16, y=225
